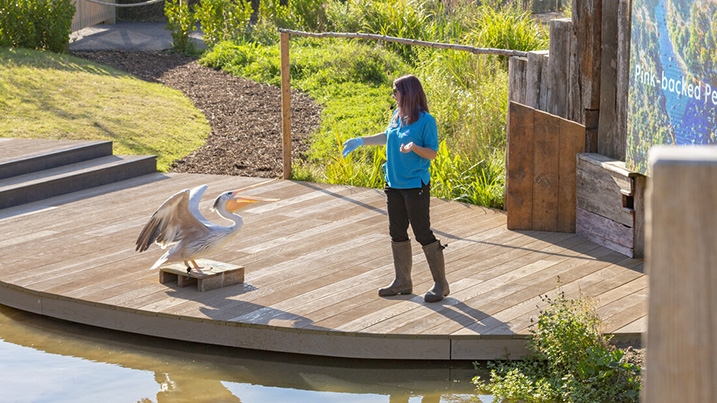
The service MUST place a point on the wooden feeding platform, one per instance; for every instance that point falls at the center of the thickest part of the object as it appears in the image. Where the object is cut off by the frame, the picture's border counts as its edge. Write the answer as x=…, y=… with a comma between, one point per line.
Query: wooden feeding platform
x=211, y=275
x=312, y=263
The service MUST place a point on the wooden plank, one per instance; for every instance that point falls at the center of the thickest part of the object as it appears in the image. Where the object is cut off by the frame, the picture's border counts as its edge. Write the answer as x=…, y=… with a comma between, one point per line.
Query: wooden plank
x=616, y=168
x=600, y=229
x=462, y=290
x=561, y=45
x=519, y=176
x=591, y=285
x=545, y=90
x=524, y=305
x=517, y=83
x=454, y=314
x=572, y=142
x=546, y=146
x=533, y=77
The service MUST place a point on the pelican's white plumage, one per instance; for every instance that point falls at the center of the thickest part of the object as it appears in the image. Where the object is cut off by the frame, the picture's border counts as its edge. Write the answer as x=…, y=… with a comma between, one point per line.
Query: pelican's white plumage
x=178, y=224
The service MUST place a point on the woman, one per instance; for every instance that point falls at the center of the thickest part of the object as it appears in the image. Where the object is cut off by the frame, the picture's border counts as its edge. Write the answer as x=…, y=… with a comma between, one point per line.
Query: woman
x=411, y=141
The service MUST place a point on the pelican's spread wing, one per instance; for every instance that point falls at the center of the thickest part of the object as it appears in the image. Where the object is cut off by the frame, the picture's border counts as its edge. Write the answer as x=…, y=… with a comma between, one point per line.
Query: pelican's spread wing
x=174, y=220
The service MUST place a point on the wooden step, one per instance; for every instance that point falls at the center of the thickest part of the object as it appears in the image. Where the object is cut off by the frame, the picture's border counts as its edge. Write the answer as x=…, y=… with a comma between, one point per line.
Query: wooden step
x=70, y=178
x=24, y=156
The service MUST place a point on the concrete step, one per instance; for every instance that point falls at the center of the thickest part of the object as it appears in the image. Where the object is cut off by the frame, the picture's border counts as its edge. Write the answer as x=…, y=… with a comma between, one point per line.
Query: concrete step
x=72, y=177
x=23, y=156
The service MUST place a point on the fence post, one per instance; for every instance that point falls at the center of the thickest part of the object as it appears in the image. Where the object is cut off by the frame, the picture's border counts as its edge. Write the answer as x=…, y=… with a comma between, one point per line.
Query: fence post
x=285, y=105
x=681, y=262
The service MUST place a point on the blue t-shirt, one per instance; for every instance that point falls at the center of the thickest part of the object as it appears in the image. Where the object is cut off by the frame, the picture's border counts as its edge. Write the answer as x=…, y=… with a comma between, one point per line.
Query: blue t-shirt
x=409, y=170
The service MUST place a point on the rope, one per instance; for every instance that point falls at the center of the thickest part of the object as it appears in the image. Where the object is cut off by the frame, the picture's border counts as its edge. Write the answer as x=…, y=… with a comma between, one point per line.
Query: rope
x=492, y=51
x=146, y=3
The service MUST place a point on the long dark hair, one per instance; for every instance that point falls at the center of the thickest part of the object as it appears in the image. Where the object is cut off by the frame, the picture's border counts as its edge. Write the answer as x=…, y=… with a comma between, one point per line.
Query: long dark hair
x=413, y=99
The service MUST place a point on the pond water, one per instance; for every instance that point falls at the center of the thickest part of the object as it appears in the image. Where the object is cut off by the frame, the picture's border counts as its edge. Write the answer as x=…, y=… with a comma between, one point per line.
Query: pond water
x=48, y=360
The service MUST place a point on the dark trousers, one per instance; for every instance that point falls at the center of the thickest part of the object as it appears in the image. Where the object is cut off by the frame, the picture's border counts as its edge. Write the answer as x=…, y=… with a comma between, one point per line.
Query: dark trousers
x=410, y=206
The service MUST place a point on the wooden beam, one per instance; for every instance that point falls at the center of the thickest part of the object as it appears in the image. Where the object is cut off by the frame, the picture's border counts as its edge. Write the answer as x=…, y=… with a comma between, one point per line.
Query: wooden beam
x=561, y=45
x=285, y=105
x=517, y=72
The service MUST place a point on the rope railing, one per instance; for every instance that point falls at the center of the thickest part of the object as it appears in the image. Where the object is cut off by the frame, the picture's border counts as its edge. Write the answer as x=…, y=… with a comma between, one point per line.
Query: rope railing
x=286, y=86
x=144, y=3
x=356, y=35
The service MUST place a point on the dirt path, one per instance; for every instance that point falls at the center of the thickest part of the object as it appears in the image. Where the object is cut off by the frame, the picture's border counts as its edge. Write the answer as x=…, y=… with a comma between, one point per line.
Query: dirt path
x=245, y=116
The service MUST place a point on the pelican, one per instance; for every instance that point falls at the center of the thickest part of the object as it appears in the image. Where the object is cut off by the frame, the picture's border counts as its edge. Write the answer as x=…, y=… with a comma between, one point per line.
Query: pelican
x=179, y=224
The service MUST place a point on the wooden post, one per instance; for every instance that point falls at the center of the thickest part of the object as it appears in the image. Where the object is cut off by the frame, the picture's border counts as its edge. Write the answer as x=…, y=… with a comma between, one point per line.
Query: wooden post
x=536, y=63
x=561, y=48
x=285, y=105
x=517, y=70
x=681, y=261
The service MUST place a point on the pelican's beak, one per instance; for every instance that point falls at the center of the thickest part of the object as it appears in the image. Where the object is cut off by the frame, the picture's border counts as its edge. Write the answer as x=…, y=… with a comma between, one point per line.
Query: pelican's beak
x=239, y=202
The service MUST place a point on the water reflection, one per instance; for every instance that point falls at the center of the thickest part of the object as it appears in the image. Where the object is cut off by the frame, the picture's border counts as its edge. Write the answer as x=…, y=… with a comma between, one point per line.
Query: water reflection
x=48, y=360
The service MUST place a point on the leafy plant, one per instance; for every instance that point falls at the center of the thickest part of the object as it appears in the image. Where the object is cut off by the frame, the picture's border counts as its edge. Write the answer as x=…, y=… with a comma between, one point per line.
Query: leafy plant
x=222, y=20
x=507, y=27
x=36, y=24
x=180, y=24
x=570, y=361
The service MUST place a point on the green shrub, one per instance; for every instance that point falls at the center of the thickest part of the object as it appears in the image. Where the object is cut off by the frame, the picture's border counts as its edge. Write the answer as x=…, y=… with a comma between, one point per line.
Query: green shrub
x=307, y=15
x=36, y=24
x=571, y=361
x=248, y=60
x=180, y=23
x=409, y=19
x=223, y=20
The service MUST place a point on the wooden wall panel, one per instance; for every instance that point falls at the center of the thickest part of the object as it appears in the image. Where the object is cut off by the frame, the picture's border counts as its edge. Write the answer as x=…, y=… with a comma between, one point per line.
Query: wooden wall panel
x=541, y=169
x=519, y=175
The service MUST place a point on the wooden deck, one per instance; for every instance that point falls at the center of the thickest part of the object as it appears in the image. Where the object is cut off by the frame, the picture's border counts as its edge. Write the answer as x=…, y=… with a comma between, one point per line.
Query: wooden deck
x=314, y=261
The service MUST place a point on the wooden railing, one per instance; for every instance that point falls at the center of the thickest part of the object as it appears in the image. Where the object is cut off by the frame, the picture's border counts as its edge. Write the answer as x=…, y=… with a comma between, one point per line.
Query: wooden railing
x=89, y=14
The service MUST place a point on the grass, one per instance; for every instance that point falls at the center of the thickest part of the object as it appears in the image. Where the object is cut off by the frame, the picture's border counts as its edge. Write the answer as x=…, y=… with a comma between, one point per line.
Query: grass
x=54, y=96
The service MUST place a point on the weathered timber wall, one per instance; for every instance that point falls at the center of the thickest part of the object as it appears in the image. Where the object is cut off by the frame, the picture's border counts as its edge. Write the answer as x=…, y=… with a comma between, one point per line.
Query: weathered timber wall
x=681, y=261
x=583, y=78
x=89, y=14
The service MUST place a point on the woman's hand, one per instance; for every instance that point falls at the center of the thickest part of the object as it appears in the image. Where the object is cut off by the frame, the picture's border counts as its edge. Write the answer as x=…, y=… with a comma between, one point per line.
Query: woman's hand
x=350, y=145
x=423, y=152
x=407, y=148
